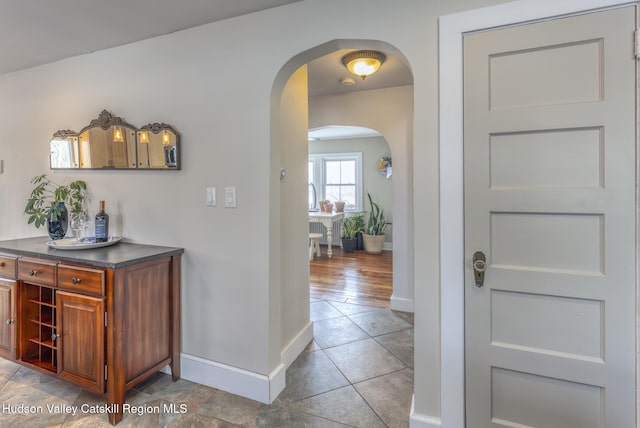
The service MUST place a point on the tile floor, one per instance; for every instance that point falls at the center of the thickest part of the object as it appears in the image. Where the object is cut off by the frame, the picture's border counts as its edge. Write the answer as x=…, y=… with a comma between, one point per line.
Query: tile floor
x=358, y=372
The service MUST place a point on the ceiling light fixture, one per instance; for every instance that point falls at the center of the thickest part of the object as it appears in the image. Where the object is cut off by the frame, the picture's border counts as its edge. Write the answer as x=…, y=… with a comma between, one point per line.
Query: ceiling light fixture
x=363, y=63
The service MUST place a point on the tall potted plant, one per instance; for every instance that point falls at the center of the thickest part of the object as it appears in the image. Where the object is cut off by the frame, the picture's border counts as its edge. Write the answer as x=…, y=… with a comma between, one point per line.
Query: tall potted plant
x=350, y=227
x=46, y=204
x=374, y=233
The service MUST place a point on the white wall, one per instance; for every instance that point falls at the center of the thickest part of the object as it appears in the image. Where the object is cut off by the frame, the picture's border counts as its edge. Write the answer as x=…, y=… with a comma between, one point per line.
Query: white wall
x=204, y=82
x=296, y=330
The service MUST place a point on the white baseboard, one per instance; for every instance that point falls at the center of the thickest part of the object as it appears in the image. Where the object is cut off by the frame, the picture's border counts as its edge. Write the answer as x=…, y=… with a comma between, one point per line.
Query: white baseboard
x=297, y=345
x=417, y=420
x=231, y=379
x=241, y=382
x=401, y=304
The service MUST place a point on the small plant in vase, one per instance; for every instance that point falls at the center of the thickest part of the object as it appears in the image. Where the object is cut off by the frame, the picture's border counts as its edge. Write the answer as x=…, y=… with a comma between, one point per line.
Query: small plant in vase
x=326, y=206
x=46, y=204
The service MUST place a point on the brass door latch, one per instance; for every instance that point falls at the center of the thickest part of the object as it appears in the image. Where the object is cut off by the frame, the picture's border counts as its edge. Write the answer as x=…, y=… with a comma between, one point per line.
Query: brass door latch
x=479, y=266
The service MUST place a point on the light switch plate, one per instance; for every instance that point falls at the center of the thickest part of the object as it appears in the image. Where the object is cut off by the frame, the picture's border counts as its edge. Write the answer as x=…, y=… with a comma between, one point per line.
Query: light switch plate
x=211, y=196
x=230, y=197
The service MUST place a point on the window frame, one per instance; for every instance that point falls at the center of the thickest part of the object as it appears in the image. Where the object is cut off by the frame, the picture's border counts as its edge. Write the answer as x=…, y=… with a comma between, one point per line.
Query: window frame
x=319, y=171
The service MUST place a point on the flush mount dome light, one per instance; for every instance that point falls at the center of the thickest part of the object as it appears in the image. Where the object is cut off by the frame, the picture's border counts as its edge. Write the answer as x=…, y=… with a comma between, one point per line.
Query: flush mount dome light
x=363, y=63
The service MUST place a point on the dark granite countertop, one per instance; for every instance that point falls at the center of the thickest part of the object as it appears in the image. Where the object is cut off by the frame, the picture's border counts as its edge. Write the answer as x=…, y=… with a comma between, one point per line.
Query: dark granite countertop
x=114, y=256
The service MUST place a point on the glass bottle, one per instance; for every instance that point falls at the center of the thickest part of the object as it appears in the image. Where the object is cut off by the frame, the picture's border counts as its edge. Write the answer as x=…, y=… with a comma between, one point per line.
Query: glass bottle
x=102, y=224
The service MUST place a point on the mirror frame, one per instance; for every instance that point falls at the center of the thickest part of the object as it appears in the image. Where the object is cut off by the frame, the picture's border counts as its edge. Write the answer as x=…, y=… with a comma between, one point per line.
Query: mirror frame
x=106, y=120
x=171, y=155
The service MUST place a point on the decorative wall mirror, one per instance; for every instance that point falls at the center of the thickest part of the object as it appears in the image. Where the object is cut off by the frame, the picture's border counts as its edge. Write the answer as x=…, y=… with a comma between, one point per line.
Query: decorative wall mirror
x=109, y=142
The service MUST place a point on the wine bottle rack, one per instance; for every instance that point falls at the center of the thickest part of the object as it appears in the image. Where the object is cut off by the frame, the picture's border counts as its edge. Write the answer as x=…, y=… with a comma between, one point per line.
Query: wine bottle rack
x=39, y=326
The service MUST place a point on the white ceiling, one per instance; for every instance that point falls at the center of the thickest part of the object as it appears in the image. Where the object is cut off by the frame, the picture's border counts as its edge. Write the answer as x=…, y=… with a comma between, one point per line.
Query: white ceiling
x=326, y=73
x=36, y=32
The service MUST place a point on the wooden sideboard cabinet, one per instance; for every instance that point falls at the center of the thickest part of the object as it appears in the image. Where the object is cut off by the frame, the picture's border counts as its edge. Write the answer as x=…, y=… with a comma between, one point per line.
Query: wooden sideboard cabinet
x=104, y=319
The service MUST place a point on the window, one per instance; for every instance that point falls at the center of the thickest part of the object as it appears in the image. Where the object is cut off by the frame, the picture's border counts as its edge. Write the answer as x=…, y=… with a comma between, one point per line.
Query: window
x=336, y=177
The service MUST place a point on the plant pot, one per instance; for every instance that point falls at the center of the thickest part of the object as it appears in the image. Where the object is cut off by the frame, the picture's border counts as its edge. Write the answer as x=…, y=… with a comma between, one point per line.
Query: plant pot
x=340, y=206
x=349, y=245
x=359, y=241
x=57, y=228
x=373, y=243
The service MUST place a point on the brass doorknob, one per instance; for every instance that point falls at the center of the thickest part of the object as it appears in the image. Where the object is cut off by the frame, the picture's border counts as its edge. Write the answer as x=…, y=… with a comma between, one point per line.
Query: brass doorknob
x=479, y=266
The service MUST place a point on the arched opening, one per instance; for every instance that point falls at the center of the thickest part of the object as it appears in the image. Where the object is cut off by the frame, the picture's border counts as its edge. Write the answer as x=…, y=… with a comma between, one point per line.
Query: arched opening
x=294, y=110
x=347, y=164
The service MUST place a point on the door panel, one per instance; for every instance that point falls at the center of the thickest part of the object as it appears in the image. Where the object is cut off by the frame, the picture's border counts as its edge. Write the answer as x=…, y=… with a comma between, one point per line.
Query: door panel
x=7, y=318
x=567, y=158
x=549, y=163
x=80, y=324
x=564, y=72
x=576, y=323
x=547, y=400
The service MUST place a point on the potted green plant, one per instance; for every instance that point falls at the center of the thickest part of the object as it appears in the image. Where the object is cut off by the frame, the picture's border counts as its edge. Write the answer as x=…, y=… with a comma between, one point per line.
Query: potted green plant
x=359, y=218
x=374, y=233
x=350, y=227
x=46, y=204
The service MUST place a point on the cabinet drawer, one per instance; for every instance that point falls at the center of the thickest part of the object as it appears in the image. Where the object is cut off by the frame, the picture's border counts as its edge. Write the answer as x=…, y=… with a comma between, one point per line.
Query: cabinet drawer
x=37, y=271
x=8, y=267
x=80, y=279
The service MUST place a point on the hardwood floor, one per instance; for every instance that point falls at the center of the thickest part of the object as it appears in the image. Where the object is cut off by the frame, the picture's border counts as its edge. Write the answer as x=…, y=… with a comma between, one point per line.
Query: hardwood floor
x=357, y=277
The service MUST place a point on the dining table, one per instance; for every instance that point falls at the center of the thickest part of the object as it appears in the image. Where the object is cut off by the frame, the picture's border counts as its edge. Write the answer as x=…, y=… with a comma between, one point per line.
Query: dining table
x=327, y=219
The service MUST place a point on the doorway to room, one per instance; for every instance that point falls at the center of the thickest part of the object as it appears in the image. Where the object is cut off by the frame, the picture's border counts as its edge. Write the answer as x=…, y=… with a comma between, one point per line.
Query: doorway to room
x=295, y=110
x=347, y=164
x=386, y=106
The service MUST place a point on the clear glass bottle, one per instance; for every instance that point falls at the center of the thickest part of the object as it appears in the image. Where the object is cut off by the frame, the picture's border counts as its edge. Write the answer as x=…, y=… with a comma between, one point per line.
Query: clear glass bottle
x=102, y=224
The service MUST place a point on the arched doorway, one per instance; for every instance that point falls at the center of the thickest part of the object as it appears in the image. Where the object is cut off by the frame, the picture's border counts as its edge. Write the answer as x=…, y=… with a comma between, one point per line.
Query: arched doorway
x=347, y=164
x=389, y=110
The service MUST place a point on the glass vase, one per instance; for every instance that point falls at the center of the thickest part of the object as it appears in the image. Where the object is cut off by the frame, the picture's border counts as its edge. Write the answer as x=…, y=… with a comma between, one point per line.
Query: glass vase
x=58, y=221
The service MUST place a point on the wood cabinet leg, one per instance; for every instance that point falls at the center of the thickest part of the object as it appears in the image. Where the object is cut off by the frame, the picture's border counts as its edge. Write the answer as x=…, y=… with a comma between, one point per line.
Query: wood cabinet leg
x=175, y=320
x=175, y=369
x=116, y=402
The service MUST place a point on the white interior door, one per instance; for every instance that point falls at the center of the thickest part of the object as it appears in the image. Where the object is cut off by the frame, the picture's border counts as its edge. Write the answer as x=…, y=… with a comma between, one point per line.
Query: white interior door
x=550, y=168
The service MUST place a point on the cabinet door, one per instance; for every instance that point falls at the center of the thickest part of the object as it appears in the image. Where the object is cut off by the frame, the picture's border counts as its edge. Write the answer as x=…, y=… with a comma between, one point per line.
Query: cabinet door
x=80, y=341
x=7, y=319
